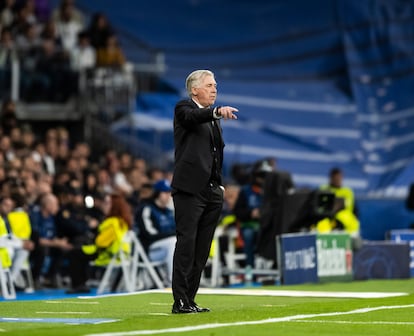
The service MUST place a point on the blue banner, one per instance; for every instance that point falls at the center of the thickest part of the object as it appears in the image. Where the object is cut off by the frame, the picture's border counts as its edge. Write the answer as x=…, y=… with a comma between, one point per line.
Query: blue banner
x=298, y=258
x=382, y=260
x=407, y=236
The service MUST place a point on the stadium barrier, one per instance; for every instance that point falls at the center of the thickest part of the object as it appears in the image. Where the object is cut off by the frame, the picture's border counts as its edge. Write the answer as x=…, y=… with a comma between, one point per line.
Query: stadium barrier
x=404, y=236
x=310, y=257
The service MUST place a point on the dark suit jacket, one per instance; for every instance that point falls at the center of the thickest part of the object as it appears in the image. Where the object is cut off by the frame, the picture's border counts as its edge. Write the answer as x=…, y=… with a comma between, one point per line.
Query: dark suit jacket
x=194, y=146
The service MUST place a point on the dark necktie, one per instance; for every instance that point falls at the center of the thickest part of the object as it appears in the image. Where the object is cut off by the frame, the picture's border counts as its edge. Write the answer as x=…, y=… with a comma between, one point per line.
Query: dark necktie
x=217, y=157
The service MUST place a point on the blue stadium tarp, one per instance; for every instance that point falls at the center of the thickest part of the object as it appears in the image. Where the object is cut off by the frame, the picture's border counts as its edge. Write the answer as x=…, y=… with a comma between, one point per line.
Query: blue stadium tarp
x=318, y=83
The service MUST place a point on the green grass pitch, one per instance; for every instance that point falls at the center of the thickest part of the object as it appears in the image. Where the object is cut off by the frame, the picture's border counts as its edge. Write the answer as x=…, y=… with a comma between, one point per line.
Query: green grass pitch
x=250, y=315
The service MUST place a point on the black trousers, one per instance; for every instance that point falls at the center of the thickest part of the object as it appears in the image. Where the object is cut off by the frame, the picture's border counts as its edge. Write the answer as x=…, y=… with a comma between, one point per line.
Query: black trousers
x=79, y=266
x=196, y=219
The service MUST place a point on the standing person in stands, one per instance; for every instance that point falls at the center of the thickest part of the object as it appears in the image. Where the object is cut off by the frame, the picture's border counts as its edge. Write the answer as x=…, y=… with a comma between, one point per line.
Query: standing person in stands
x=197, y=184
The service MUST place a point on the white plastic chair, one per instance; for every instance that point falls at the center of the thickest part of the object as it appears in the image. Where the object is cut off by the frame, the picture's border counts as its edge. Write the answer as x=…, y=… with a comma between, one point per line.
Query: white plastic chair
x=120, y=260
x=130, y=264
x=143, y=266
x=25, y=277
x=6, y=282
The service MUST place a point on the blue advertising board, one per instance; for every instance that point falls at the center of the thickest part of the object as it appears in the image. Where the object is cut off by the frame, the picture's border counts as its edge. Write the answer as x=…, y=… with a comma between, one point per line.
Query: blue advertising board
x=382, y=260
x=297, y=255
x=405, y=236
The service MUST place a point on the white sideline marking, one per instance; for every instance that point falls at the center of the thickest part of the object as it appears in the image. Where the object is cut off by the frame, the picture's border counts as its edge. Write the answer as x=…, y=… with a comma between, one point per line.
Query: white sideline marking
x=277, y=292
x=159, y=314
x=73, y=302
x=54, y=312
x=353, y=322
x=271, y=306
x=297, y=293
x=294, y=318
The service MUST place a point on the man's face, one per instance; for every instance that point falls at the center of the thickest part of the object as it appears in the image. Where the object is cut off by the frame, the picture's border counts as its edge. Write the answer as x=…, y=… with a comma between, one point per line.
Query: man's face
x=206, y=93
x=6, y=206
x=336, y=180
x=164, y=198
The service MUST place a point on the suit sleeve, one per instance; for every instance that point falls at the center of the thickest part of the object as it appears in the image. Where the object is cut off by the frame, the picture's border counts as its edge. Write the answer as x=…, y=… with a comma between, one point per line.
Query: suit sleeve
x=189, y=115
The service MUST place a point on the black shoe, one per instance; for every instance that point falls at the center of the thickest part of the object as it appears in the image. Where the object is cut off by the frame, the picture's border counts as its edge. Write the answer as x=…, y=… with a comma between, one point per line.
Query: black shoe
x=78, y=290
x=198, y=308
x=179, y=307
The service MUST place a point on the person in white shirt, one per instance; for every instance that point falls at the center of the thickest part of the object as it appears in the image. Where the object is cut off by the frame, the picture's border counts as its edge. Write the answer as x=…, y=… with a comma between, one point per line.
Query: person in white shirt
x=68, y=28
x=83, y=56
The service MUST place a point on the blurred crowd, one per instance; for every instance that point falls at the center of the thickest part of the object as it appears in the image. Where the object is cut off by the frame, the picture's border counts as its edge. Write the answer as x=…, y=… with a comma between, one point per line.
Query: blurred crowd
x=52, y=46
x=60, y=191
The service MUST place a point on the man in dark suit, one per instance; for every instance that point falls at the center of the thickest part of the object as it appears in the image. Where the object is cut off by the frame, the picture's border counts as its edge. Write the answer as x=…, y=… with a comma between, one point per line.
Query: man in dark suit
x=197, y=184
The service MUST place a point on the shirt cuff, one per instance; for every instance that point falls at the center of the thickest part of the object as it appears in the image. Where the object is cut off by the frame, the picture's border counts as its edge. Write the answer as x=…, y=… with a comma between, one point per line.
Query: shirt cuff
x=216, y=114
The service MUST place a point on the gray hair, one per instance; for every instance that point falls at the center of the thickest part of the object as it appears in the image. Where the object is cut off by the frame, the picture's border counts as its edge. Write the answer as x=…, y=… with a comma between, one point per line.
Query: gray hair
x=194, y=79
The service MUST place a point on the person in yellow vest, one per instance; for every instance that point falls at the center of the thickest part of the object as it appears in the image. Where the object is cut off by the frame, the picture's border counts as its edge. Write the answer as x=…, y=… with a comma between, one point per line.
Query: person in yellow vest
x=14, y=236
x=345, y=217
x=107, y=242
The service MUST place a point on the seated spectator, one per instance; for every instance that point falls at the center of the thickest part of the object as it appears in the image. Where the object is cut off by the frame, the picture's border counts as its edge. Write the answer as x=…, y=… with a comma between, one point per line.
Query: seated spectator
x=8, y=54
x=107, y=242
x=48, y=245
x=53, y=79
x=119, y=180
x=41, y=155
x=8, y=118
x=72, y=222
x=104, y=183
x=7, y=13
x=138, y=180
x=21, y=227
x=22, y=18
x=29, y=42
x=99, y=30
x=156, y=226
x=49, y=32
x=111, y=55
x=16, y=235
x=77, y=14
x=99, y=206
x=83, y=56
x=67, y=26
x=30, y=8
